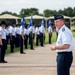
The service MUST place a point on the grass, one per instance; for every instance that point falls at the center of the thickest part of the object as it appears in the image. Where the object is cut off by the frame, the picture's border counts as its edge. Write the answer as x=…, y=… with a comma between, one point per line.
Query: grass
x=73, y=30
x=53, y=37
x=73, y=27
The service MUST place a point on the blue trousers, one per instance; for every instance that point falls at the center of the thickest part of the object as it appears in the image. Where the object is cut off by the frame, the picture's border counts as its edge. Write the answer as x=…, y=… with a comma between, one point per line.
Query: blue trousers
x=42, y=38
x=64, y=61
x=3, y=50
x=21, y=44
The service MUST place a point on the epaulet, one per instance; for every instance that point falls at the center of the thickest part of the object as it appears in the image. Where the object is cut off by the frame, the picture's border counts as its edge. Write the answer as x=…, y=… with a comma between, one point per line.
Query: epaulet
x=63, y=29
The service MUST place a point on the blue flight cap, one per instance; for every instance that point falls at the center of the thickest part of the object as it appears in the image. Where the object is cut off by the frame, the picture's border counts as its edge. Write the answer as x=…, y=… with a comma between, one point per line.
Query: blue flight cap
x=3, y=22
x=58, y=16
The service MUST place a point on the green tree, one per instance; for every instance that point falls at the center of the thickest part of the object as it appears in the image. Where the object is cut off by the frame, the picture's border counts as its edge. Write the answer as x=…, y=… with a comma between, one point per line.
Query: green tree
x=46, y=13
x=7, y=12
x=68, y=12
x=74, y=11
x=34, y=11
x=49, y=13
x=29, y=12
x=60, y=11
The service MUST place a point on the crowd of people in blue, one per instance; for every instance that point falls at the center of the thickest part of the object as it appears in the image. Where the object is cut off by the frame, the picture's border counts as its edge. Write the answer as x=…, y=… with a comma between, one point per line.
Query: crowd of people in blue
x=19, y=35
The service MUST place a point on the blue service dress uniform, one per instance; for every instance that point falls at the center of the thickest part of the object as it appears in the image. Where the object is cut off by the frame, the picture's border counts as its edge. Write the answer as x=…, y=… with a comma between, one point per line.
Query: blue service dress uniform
x=31, y=37
x=37, y=31
x=21, y=39
x=4, y=45
x=50, y=33
x=42, y=35
x=7, y=35
x=12, y=38
x=33, y=32
x=17, y=44
x=0, y=41
x=26, y=33
x=64, y=57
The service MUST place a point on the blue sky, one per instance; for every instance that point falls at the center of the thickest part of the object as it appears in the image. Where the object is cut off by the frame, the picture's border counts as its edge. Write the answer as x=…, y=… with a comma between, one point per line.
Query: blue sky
x=17, y=5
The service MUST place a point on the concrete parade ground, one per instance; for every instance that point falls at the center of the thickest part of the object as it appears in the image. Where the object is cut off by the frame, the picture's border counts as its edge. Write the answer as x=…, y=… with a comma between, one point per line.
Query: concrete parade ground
x=41, y=61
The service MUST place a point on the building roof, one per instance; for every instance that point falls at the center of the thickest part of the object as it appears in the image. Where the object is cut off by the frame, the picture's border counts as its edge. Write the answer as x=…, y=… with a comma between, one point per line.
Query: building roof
x=8, y=16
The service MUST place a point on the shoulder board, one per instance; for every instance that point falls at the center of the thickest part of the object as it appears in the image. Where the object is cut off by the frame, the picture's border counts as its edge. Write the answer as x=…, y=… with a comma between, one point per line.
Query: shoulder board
x=63, y=29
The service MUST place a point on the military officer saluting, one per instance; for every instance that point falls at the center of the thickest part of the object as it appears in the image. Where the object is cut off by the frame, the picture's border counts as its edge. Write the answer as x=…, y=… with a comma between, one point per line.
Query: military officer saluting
x=64, y=46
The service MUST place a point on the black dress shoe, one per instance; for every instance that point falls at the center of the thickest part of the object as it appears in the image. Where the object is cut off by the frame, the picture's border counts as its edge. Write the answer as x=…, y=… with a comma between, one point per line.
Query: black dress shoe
x=42, y=46
x=23, y=53
x=33, y=49
x=3, y=61
x=26, y=48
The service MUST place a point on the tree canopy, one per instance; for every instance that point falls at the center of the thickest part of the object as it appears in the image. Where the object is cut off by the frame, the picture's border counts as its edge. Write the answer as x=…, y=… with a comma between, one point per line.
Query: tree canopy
x=47, y=12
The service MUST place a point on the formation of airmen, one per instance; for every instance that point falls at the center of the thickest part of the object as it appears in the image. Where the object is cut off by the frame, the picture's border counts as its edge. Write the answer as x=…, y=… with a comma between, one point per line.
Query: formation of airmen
x=17, y=35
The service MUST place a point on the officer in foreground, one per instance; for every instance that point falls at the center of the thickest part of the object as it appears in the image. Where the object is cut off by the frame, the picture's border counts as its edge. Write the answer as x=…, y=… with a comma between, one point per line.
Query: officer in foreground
x=64, y=46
